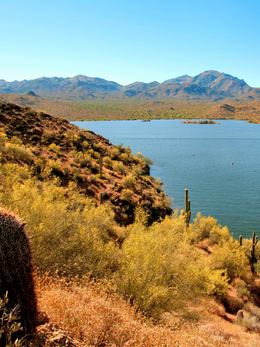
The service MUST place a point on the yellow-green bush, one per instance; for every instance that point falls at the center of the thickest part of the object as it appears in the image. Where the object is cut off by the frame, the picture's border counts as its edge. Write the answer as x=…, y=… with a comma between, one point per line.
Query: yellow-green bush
x=146, y=160
x=115, y=153
x=119, y=167
x=53, y=167
x=124, y=157
x=137, y=170
x=231, y=257
x=82, y=159
x=129, y=182
x=3, y=139
x=47, y=135
x=15, y=140
x=160, y=270
x=54, y=148
x=202, y=226
x=217, y=283
x=18, y=152
x=70, y=235
x=219, y=235
x=107, y=162
x=126, y=194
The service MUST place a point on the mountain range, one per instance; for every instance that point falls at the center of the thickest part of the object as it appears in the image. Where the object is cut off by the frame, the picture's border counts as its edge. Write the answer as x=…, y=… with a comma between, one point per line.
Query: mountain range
x=209, y=86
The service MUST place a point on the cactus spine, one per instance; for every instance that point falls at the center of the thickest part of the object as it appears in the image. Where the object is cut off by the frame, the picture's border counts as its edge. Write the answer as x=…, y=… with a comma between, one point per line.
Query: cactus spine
x=253, y=257
x=16, y=273
x=187, y=208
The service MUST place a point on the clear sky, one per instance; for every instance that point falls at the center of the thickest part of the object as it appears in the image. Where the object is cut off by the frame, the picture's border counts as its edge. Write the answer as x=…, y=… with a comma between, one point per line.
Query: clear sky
x=129, y=40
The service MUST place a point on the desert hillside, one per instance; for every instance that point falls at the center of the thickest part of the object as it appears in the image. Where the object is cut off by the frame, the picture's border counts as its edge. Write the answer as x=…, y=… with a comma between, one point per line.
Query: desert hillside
x=112, y=264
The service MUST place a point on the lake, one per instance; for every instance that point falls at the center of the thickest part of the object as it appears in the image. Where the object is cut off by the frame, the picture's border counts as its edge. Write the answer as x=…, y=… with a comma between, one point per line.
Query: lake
x=199, y=157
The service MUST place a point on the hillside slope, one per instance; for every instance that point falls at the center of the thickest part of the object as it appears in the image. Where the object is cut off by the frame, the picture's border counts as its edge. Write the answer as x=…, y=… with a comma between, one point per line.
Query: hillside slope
x=53, y=147
x=52, y=175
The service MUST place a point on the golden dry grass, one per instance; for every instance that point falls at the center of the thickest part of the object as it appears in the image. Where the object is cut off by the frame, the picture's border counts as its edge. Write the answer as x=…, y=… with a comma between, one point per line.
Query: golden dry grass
x=95, y=315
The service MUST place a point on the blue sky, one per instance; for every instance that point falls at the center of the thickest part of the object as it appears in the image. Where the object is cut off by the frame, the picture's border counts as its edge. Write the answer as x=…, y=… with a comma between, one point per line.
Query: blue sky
x=127, y=41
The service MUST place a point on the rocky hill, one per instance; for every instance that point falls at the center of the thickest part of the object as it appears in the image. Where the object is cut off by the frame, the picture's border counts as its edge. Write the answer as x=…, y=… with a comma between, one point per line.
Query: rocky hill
x=52, y=147
x=209, y=85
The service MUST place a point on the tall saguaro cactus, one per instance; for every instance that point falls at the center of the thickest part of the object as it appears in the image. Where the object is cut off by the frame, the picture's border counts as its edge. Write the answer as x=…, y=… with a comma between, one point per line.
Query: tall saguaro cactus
x=187, y=208
x=16, y=273
x=253, y=257
x=100, y=165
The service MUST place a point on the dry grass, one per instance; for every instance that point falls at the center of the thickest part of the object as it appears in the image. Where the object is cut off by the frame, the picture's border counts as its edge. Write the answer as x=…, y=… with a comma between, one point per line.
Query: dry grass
x=95, y=315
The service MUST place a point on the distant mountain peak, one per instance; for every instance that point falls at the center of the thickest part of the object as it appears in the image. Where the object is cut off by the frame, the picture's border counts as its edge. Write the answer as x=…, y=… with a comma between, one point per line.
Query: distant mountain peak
x=208, y=85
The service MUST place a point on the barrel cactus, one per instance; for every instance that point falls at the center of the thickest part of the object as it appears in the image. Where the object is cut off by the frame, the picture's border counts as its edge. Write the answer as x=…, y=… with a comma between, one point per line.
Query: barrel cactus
x=16, y=273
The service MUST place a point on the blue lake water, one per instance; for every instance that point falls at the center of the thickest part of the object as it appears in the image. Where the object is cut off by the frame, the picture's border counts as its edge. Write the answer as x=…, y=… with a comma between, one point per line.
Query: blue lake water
x=199, y=158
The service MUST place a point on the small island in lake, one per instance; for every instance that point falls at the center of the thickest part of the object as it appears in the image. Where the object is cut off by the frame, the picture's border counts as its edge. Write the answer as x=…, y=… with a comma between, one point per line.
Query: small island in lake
x=200, y=122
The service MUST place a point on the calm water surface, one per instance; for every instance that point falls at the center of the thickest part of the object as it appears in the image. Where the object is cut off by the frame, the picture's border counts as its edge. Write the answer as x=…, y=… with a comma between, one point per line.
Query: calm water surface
x=199, y=157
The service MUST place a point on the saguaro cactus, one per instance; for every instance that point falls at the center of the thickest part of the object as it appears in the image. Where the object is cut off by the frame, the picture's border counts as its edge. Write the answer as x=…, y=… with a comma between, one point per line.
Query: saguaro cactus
x=16, y=273
x=187, y=208
x=100, y=165
x=253, y=257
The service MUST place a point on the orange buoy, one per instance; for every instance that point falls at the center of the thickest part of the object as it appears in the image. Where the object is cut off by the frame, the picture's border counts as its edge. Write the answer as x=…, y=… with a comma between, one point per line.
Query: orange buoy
x=231, y=163
x=193, y=155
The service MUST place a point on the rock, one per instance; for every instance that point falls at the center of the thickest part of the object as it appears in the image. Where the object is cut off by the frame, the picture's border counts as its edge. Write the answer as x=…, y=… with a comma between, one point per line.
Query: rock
x=240, y=315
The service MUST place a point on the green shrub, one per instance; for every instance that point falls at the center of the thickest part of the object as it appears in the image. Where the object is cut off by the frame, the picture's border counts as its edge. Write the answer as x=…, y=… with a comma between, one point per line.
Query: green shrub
x=107, y=162
x=77, y=177
x=159, y=270
x=47, y=135
x=3, y=139
x=137, y=170
x=18, y=152
x=30, y=112
x=82, y=159
x=53, y=168
x=34, y=138
x=115, y=153
x=242, y=289
x=69, y=235
x=124, y=157
x=104, y=177
x=202, y=226
x=129, y=182
x=231, y=257
x=99, y=146
x=126, y=194
x=92, y=179
x=15, y=140
x=119, y=167
x=54, y=148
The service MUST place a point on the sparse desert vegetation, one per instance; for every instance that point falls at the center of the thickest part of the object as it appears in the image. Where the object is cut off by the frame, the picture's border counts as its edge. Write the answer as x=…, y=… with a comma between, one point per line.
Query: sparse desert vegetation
x=114, y=265
x=100, y=110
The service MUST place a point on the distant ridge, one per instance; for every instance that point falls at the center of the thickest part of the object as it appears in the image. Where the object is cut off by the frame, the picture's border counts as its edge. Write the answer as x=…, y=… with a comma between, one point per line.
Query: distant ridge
x=209, y=86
